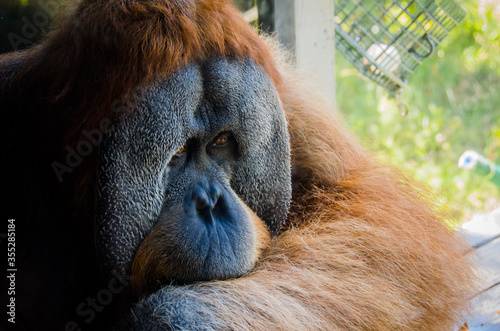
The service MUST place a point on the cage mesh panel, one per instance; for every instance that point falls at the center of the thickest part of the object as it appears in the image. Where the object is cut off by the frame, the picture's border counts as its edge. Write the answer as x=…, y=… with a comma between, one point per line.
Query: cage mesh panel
x=386, y=39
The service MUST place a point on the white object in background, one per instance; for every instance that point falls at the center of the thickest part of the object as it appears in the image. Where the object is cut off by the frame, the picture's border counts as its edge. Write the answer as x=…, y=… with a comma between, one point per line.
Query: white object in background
x=469, y=159
x=385, y=56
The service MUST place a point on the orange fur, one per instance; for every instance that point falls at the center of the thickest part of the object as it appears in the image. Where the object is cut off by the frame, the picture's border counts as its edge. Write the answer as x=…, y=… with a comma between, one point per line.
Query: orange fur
x=262, y=237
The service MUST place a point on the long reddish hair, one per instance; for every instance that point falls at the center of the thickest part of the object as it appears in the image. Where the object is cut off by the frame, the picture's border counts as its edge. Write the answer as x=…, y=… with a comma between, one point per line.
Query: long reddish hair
x=102, y=50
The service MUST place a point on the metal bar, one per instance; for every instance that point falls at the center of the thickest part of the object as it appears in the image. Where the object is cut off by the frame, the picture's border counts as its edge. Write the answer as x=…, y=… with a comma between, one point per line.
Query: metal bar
x=360, y=49
x=384, y=9
x=393, y=42
x=429, y=15
x=452, y=4
x=401, y=35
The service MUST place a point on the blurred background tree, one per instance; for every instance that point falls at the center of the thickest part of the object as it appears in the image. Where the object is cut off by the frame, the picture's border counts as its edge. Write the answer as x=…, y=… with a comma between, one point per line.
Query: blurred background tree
x=453, y=103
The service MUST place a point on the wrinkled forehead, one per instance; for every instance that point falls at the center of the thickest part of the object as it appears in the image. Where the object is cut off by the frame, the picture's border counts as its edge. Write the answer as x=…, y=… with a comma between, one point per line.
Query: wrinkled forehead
x=218, y=95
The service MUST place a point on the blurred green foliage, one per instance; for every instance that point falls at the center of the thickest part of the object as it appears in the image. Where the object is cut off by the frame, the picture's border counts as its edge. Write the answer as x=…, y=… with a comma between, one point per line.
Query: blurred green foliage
x=453, y=103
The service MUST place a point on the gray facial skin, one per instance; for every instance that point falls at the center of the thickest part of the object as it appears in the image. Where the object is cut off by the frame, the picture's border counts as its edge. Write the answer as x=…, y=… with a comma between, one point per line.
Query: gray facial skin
x=143, y=180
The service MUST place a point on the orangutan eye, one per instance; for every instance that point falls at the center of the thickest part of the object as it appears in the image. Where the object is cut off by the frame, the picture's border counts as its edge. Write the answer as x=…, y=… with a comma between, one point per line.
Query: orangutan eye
x=222, y=139
x=180, y=151
x=177, y=156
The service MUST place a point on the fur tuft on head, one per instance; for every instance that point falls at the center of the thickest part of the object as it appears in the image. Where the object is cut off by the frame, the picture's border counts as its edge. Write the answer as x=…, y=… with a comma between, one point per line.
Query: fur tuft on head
x=103, y=50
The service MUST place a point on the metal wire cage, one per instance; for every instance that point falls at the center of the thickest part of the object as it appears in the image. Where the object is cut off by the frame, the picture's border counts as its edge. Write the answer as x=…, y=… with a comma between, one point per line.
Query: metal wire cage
x=387, y=39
